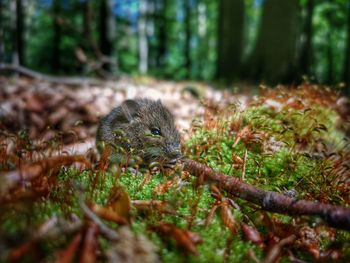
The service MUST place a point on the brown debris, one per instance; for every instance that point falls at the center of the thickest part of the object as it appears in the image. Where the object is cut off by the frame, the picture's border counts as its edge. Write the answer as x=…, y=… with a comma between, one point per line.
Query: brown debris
x=336, y=216
x=88, y=254
x=43, y=168
x=67, y=254
x=185, y=239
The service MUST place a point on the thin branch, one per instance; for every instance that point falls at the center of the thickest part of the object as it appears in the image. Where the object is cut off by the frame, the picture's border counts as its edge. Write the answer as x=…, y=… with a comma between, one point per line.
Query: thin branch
x=335, y=216
x=275, y=251
x=244, y=164
x=74, y=81
x=108, y=232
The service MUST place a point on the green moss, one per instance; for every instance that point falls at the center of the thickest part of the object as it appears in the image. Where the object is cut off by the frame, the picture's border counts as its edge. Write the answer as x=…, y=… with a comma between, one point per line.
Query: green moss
x=290, y=165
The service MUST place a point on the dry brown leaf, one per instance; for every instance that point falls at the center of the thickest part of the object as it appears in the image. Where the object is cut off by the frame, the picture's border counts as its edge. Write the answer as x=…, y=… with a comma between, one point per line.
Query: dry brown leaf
x=29, y=172
x=251, y=234
x=108, y=214
x=88, y=253
x=185, y=239
x=151, y=205
x=119, y=202
x=33, y=103
x=275, y=252
x=164, y=187
x=67, y=254
x=227, y=217
x=58, y=116
x=241, y=134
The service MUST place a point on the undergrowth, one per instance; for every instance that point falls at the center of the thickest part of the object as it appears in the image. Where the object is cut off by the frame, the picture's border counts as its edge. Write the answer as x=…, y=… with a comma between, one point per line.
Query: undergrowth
x=295, y=151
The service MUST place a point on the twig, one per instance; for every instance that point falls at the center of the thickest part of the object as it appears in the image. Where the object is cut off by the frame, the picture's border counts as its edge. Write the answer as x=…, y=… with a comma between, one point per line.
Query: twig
x=42, y=232
x=244, y=164
x=52, y=229
x=74, y=81
x=335, y=216
x=274, y=253
x=109, y=233
x=66, y=255
x=89, y=249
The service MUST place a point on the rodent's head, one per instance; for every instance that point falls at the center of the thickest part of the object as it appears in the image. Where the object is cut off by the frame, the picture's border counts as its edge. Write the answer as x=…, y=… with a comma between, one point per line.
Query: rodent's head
x=150, y=130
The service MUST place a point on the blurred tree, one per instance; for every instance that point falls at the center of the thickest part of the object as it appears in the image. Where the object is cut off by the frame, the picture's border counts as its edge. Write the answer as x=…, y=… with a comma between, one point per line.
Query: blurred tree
x=346, y=73
x=305, y=60
x=106, y=30
x=161, y=21
x=273, y=59
x=127, y=45
x=174, y=58
x=6, y=31
x=87, y=26
x=194, y=39
x=203, y=39
x=329, y=40
x=19, y=32
x=330, y=45
x=56, y=50
x=142, y=31
x=230, y=38
x=187, y=47
x=2, y=32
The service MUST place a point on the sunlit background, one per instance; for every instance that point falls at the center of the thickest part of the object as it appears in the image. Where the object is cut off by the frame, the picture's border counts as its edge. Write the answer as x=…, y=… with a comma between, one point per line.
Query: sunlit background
x=254, y=41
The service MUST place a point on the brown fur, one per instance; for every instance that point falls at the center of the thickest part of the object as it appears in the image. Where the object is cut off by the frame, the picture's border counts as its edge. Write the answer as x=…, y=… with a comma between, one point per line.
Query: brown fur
x=129, y=126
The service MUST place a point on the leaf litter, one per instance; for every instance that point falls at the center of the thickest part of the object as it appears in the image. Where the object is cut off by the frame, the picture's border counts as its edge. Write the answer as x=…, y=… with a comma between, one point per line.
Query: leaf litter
x=69, y=204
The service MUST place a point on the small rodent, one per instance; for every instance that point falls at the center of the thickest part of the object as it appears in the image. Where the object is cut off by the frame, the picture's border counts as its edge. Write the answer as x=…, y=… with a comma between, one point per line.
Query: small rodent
x=147, y=129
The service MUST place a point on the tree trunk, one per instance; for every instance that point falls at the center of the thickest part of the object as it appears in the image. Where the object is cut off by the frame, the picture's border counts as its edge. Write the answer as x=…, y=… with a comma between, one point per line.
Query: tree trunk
x=162, y=33
x=273, y=59
x=143, y=43
x=20, y=31
x=346, y=74
x=15, y=54
x=105, y=45
x=2, y=32
x=230, y=39
x=106, y=30
x=87, y=18
x=306, y=49
x=87, y=29
x=187, y=48
x=330, y=57
x=56, y=50
x=202, y=29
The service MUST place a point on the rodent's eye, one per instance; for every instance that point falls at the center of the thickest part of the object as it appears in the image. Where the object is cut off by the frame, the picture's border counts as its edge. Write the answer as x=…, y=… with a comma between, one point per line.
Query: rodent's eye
x=155, y=131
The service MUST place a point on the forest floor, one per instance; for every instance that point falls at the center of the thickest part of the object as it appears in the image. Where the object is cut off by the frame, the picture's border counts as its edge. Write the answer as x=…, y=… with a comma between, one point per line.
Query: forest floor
x=44, y=108
x=291, y=141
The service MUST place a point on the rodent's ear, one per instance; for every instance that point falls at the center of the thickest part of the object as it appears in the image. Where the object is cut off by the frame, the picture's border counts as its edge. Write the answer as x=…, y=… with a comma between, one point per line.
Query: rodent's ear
x=159, y=102
x=130, y=109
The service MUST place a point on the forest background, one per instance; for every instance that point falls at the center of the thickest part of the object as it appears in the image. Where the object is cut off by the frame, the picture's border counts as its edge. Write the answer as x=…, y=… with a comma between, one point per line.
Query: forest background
x=265, y=177
x=250, y=41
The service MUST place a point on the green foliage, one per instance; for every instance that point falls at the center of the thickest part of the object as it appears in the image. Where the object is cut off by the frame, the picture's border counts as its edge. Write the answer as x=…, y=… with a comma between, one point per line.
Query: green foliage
x=166, y=37
x=127, y=47
x=329, y=42
x=40, y=41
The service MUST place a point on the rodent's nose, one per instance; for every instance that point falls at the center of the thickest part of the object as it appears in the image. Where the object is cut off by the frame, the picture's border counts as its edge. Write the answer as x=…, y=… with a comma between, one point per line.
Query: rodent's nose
x=175, y=154
x=173, y=157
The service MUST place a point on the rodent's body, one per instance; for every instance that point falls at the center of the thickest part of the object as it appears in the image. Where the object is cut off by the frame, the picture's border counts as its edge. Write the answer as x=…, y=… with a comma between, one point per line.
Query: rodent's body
x=143, y=126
